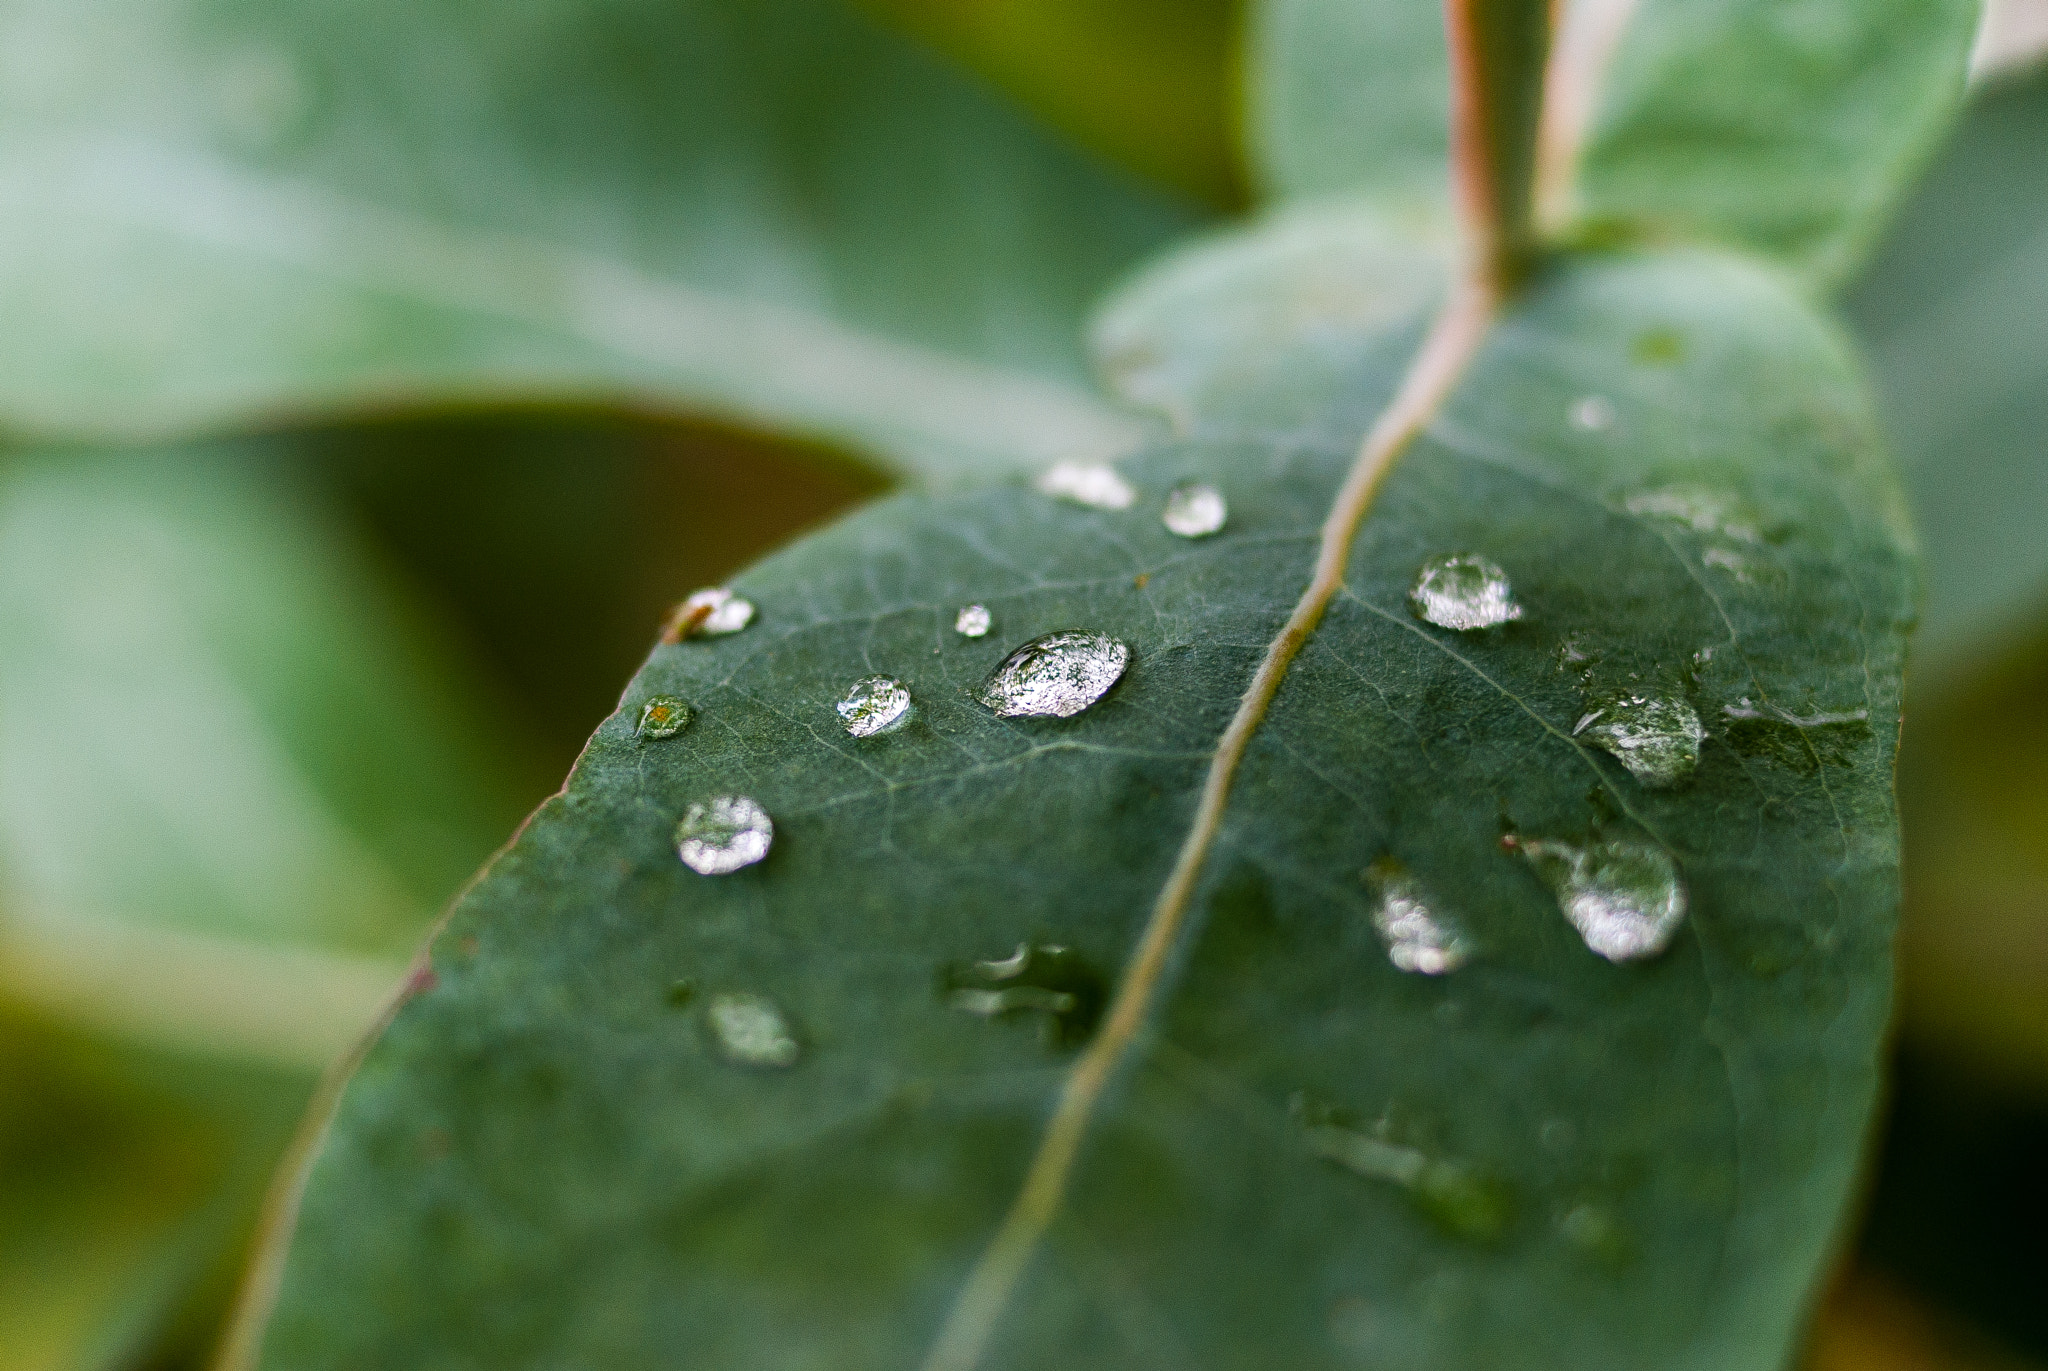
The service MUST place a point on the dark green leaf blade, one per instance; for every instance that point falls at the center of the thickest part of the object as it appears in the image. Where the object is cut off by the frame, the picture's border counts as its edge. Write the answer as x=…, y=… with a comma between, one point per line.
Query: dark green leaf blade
x=548, y=1160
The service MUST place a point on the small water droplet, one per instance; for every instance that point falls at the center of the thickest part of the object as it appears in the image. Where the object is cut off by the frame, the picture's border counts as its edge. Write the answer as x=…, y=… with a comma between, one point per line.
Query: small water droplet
x=873, y=704
x=681, y=992
x=1460, y=1199
x=973, y=621
x=1558, y=1135
x=752, y=1030
x=709, y=613
x=1623, y=896
x=1036, y=978
x=1418, y=938
x=1657, y=740
x=1595, y=1232
x=1056, y=676
x=723, y=835
x=1195, y=510
x=1094, y=484
x=1593, y=414
x=1463, y=592
x=663, y=716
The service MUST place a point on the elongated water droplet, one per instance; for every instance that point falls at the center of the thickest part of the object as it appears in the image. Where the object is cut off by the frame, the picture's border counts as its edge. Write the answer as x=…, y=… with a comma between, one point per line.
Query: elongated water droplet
x=1036, y=978
x=1623, y=896
x=723, y=835
x=1087, y=483
x=663, y=716
x=1195, y=510
x=1056, y=676
x=873, y=704
x=708, y=613
x=1700, y=508
x=1418, y=938
x=1803, y=743
x=1657, y=740
x=752, y=1030
x=1459, y=1198
x=973, y=621
x=1464, y=592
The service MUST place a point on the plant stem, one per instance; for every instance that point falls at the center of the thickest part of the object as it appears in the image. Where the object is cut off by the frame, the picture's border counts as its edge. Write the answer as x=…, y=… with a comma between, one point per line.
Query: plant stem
x=1498, y=52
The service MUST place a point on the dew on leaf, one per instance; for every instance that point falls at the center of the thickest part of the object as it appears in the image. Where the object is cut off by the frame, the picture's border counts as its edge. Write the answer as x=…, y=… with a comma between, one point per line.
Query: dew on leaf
x=1195, y=510
x=1036, y=978
x=1093, y=484
x=873, y=704
x=709, y=613
x=1464, y=592
x=1056, y=676
x=973, y=621
x=1418, y=938
x=720, y=836
x=752, y=1030
x=663, y=716
x=1623, y=896
x=1802, y=743
x=1658, y=740
x=1458, y=1198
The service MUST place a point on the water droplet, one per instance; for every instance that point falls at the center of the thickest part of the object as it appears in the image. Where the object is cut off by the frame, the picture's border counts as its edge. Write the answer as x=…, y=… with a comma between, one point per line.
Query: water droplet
x=1595, y=1232
x=973, y=621
x=1460, y=1199
x=1593, y=414
x=1056, y=676
x=1418, y=938
x=1087, y=483
x=1657, y=740
x=709, y=613
x=1623, y=896
x=1195, y=510
x=1464, y=592
x=724, y=835
x=873, y=704
x=663, y=716
x=681, y=992
x=1036, y=978
x=752, y=1030
x=1804, y=743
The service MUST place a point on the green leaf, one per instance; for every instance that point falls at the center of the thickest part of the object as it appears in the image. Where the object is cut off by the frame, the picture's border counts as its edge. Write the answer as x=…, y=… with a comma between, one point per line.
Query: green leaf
x=1787, y=127
x=644, y=1116
x=768, y=212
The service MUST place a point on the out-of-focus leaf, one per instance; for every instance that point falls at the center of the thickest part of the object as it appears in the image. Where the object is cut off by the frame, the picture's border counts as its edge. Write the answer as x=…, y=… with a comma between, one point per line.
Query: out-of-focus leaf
x=1543, y=1159
x=1787, y=127
x=772, y=212
x=1955, y=313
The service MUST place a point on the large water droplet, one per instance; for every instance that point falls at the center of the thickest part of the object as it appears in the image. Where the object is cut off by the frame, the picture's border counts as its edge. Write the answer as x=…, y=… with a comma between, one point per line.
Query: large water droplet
x=1056, y=676
x=1623, y=896
x=724, y=835
x=1195, y=510
x=1087, y=483
x=1036, y=978
x=663, y=716
x=752, y=1030
x=1461, y=1199
x=1658, y=740
x=873, y=704
x=708, y=613
x=973, y=621
x=1464, y=592
x=1418, y=937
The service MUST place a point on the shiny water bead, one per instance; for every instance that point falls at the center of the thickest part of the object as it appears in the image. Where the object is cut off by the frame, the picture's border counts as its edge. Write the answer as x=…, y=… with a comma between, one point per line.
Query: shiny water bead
x=722, y=835
x=1658, y=740
x=1463, y=591
x=751, y=1030
x=973, y=621
x=663, y=716
x=873, y=704
x=1418, y=938
x=709, y=613
x=1056, y=676
x=1195, y=510
x=1623, y=896
x=1094, y=484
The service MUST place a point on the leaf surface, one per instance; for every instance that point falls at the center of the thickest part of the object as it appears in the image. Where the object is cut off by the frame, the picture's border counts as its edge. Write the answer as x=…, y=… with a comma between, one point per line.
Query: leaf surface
x=773, y=213
x=1306, y=1156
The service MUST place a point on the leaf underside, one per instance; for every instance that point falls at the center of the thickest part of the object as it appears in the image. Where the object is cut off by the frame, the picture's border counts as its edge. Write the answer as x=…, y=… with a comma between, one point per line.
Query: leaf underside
x=546, y=1162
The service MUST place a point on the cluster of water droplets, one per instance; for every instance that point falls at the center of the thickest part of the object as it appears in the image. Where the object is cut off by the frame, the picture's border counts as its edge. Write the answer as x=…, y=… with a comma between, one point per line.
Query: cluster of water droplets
x=1418, y=937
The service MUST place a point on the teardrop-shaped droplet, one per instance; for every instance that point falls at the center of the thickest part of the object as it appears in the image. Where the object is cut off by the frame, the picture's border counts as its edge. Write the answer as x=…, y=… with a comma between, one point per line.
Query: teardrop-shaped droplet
x=1464, y=592
x=1094, y=484
x=723, y=835
x=1056, y=676
x=1623, y=896
x=1419, y=938
x=973, y=621
x=873, y=704
x=663, y=716
x=752, y=1030
x=1658, y=740
x=1195, y=510
x=708, y=613
x=1036, y=978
